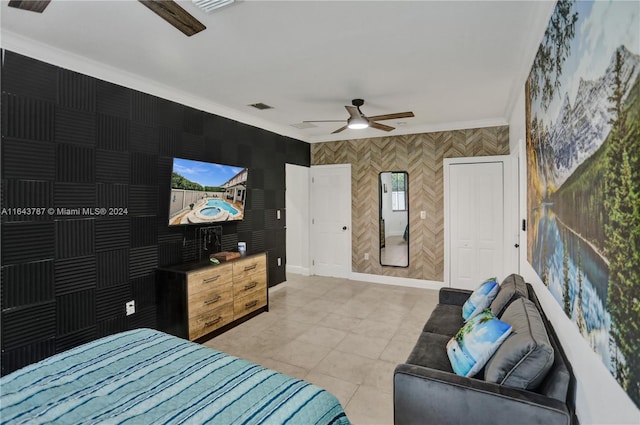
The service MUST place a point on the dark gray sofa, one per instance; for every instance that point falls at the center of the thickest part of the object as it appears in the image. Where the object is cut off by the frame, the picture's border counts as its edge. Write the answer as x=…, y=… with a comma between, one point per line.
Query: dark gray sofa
x=527, y=381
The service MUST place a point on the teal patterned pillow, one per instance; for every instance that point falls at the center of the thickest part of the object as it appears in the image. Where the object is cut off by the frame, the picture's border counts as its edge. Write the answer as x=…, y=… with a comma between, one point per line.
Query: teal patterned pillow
x=474, y=344
x=481, y=298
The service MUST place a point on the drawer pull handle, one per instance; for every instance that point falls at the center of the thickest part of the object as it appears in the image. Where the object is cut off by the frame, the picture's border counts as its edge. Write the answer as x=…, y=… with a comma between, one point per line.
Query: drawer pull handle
x=250, y=285
x=211, y=279
x=251, y=267
x=213, y=300
x=213, y=322
x=251, y=304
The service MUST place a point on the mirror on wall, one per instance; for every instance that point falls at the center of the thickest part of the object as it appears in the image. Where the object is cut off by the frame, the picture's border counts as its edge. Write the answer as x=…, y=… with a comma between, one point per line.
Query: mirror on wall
x=394, y=218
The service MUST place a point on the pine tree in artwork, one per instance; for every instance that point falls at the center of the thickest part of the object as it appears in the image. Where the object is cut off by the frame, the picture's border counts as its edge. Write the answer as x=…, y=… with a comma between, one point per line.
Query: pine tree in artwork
x=566, y=295
x=622, y=232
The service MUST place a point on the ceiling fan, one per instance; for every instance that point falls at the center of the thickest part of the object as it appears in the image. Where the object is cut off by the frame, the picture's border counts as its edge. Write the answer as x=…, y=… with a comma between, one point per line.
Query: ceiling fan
x=357, y=120
x=168, y=10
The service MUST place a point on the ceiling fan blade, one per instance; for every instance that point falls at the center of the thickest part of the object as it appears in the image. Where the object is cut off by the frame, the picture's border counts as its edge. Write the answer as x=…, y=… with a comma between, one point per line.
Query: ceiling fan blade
x=323, y=121
x=32, y=5
x=173, y=13
x=353, y=111
x=380, y=126
x=340, y=129
x=392, y=116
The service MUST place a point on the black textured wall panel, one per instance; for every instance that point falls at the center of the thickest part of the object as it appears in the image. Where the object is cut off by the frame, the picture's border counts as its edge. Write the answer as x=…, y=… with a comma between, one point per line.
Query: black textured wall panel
x=73, y=339
x=143, y=200
x=75, y=311
x=144, y=138
x=27, y=283
x=112, y=196
x=27, y=241
x=28, y=119
x=69, y=195
x=143, y=169
x=75, y=274
x=28, y=160
x=143, y=261
x=112, y=233
x=27, y=194
x=29, y=77
x=71, y=142
x=74, y=126
x=27, y=354
x=113, y=100
x=75, y=164
x=143, y=231
x=75, y=238
x=111, y=300
x=112, y=267
x=112, y=167
x=112, y=133
x=76, y=91
x=26, y=325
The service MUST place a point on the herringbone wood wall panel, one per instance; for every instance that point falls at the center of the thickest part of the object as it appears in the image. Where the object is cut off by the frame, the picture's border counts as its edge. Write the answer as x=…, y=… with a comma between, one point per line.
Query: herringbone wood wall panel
x=422, y=156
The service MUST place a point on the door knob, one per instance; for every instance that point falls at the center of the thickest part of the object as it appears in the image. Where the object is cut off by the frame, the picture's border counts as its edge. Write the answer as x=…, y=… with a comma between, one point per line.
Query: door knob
x=344, y=227
x=517, y=245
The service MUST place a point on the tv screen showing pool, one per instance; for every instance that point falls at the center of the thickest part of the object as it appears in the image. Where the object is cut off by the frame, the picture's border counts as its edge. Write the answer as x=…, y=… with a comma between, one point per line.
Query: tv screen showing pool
x=205, y=192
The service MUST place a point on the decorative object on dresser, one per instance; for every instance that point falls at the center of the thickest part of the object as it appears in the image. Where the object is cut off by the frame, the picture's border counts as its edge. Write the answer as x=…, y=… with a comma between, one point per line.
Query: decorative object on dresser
x=199, y=301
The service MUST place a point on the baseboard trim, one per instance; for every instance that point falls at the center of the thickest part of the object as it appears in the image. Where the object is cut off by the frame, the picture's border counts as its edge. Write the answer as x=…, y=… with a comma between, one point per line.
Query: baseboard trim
x=304, y=271
x=398, y=281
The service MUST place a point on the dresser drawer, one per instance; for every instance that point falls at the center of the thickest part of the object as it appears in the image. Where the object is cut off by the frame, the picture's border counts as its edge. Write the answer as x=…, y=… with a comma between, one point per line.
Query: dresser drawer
x=203, y=301
x=210, y=321
x=248, y=266
x=204, y=280
x=249, y=284
x=245, y=305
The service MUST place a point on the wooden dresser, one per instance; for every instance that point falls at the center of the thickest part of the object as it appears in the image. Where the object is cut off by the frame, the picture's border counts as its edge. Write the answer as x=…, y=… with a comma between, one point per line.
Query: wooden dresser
x=199, y=301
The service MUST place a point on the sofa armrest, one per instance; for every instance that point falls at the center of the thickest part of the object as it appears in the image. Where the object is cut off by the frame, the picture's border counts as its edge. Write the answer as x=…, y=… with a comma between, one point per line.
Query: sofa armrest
x=428, y=396
x=454, y=296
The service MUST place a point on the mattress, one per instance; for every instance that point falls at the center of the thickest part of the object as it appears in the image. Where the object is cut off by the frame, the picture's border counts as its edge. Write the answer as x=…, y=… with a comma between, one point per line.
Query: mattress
x=148, y=377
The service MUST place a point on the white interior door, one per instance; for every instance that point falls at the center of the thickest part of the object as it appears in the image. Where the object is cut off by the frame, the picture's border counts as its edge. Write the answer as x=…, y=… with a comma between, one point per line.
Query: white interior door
x=297, y=226
x=331, y=220
x=478, y=204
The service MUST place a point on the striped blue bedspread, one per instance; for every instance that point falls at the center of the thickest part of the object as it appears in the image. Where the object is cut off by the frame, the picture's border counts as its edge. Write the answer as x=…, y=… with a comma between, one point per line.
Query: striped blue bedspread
x=148, y=377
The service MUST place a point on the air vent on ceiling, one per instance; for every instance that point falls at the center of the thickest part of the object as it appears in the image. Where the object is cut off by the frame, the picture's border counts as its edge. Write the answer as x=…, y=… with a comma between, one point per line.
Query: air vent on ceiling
x=303, y=125
x=209, y=6
x=261, y=106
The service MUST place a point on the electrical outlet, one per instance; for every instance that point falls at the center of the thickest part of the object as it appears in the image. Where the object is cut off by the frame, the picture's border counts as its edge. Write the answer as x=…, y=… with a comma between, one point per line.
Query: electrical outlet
x=366, y=256
x=278, y=214
x=279, y=261
x=130, y=307
x=423, y=215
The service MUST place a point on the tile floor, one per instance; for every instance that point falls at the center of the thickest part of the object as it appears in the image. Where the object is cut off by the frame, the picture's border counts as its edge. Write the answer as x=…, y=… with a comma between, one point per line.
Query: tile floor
x=342, y=335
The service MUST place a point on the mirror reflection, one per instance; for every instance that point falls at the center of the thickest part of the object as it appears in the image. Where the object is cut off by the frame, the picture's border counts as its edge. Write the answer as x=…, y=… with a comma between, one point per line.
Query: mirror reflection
x=394, y=218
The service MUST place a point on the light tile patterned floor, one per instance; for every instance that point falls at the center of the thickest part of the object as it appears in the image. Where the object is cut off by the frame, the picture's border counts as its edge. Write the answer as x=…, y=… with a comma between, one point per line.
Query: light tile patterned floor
x=342, y=335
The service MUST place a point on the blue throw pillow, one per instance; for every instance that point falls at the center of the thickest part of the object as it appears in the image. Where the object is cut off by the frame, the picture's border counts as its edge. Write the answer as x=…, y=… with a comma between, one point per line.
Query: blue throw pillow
x=474, y=344
x=481, y=298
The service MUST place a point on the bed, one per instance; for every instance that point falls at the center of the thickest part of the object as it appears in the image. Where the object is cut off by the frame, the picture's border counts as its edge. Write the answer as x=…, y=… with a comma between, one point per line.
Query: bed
x=148, y=377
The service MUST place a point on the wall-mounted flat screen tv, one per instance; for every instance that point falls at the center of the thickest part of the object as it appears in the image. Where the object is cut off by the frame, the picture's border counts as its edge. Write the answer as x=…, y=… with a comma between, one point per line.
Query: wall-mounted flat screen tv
x=205, y=192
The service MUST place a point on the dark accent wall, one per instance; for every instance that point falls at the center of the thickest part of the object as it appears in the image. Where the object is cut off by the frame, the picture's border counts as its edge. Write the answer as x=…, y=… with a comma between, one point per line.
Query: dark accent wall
x=73, y=141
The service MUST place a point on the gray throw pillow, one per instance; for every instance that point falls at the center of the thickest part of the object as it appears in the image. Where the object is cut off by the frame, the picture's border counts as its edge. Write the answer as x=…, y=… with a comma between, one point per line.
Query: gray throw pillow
x=511, y=288
x=525, y=357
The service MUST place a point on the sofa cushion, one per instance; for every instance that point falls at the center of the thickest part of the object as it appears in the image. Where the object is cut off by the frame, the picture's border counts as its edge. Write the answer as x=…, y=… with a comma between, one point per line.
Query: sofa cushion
x=480, y=299
x=525, y=357
x=446, y=319
x=430, y=352
x=476, y=342
x=511, y=288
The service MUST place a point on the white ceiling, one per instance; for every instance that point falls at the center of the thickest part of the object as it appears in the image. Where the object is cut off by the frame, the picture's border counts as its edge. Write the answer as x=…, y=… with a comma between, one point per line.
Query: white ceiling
x=455, y=64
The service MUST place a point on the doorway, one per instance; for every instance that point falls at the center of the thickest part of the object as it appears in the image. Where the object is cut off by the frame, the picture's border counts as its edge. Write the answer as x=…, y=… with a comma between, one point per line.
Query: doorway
x=481, y=207
x=331, y=220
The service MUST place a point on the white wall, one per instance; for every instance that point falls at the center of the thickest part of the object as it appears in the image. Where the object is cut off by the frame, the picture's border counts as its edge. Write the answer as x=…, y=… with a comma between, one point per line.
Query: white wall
x=599, y=398
x=297, y=207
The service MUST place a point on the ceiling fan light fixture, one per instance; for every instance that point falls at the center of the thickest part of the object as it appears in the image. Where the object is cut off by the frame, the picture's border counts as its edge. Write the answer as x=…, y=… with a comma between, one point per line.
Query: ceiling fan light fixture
x=357, y=123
